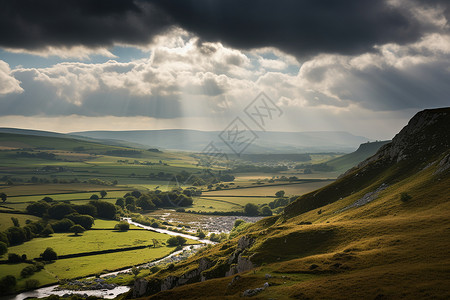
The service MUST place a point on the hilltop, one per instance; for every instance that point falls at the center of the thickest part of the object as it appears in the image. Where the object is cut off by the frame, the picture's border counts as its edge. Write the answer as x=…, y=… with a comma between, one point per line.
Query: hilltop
x=349, y=160
x=381, y=231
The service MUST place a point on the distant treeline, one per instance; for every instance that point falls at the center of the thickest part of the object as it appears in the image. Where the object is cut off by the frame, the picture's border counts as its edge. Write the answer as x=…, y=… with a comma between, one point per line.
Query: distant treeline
x=123, y=153
x=276, y=157
x=41, y=155
x=262, y=169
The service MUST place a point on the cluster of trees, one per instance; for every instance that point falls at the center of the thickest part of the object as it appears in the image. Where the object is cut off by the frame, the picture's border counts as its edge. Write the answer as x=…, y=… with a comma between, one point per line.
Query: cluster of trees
x=48, y=208
x=16, y=235
x=136, y=201
x=259, y=169
x=41, y=155
x=123, y=152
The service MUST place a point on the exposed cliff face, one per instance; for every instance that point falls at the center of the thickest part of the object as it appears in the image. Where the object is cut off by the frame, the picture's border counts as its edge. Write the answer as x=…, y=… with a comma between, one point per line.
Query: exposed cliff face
x=425, y=139
x=427, y=133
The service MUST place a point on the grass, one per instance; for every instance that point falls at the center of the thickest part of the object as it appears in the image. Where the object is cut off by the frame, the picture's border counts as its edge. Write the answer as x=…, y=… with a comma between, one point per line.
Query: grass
x=83, y=266
x=5, y=220
x=91, y=240
x=43, y=276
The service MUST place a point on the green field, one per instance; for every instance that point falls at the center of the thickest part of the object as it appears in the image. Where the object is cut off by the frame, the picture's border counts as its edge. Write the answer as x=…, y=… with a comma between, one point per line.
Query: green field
x=270, y=190
x=44, y=277
x=5, y=219
x=91, y=240
x=83, y=266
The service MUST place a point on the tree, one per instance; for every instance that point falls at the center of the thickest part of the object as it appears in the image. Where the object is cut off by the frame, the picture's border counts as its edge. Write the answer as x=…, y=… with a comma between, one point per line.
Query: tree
x=135, y=271
x=48, y=230
x=15, y=221
x=120, y=202
x=3, y=196
x=86, y=209
x=7, y=283
x=38, y=208
x=62, y=225
x=14, y=258
x=103, y=194
x=251, y=209
x=145, y=202
x=77, y=229
x=3, y=248
x=175, y=241
x=60, y=210
x=47, y=199
x=49, y=254
x=105, y=209
x=84, y=220
x=16, y=235
x=94, y=197
x=279, y=194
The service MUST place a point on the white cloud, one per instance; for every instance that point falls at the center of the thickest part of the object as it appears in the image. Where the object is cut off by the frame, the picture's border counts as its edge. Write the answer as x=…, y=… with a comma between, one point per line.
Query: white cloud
x=8, y=84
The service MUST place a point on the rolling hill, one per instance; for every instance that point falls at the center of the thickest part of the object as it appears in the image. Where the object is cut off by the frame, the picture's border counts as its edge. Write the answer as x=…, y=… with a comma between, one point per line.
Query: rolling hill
x=266, y=142
x=382, y=231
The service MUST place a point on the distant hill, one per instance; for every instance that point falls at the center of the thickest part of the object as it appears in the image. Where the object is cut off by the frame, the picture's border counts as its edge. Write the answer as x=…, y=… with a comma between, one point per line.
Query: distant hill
x=350, y=160
x=43, y=133
x=267, y=142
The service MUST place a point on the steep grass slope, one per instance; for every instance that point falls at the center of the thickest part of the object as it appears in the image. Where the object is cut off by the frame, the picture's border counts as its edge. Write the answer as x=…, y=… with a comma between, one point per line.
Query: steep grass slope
x=382, y=231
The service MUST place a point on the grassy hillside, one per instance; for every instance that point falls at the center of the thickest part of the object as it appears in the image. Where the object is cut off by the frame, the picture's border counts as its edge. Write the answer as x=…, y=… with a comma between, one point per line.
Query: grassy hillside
x=380, y=232
x=350, y=160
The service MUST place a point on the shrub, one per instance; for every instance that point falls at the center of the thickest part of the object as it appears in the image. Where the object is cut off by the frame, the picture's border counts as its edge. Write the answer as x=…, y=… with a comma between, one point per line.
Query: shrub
x=28, y=271
x=49, y=254
x=122, y=226
x=251, y=209
x=3, y=248
x=154, y=269
x=405, y=197
x=175, y=241
x=266, y=211
x=31, y=284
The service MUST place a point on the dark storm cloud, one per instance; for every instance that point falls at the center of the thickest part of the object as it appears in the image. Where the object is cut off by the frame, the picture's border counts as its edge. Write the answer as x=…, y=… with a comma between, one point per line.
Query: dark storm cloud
x=31, y=24
x=300, y=27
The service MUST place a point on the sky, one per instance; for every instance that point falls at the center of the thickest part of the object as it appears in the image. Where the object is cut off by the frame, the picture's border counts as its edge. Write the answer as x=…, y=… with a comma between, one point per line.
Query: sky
x=360, y=66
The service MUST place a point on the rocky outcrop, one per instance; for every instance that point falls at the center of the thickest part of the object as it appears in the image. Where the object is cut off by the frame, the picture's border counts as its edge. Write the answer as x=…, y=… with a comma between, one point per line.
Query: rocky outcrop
x=428, y=132
x=207, y=269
